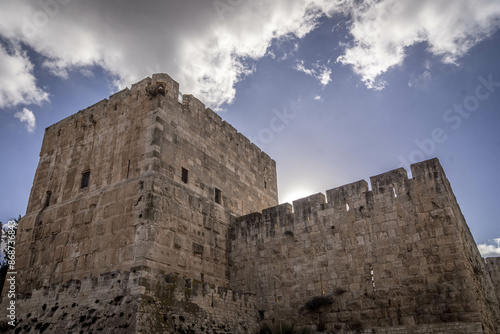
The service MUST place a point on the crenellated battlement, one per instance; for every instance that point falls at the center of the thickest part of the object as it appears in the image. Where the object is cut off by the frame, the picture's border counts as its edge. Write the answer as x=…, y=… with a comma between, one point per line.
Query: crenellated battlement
x=354, y=198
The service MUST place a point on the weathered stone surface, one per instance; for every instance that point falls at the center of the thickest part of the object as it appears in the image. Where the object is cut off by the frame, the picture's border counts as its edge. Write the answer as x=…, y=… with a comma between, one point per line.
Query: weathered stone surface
x=493, y=267
x=165, y=235
x=396, y=259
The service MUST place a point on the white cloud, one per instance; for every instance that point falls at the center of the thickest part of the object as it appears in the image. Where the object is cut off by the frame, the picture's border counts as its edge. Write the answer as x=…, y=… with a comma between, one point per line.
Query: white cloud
x=324, y=76
x=300, y=67
x=205, y=51
x=17, y=82
x=209, y=52
x=27, y=116
x=490, y=250
x=320, y=72
x=383, y=30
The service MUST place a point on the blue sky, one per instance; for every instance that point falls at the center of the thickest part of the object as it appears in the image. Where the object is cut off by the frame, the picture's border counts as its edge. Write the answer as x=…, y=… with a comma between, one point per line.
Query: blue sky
x=334, y=91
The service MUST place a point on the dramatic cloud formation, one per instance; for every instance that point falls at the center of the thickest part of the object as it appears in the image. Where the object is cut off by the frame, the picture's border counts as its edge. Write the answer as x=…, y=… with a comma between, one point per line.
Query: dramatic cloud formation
x=221, y=39
x=490, y=250
x=27, y=116
x=383, y=30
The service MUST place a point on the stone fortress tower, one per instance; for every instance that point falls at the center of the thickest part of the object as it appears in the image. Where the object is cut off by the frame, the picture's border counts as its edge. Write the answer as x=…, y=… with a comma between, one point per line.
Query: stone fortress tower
x=150, y=215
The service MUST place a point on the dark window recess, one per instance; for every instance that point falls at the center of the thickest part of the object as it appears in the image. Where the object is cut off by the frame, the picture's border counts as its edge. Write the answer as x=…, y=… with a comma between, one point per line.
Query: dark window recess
x=265, y=184
x=47, y=198
x=85, y=179
x=185, y=175
x=218, y=196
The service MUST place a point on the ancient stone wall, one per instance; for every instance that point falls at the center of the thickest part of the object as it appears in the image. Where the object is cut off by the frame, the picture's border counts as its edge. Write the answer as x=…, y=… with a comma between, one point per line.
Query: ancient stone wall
x=142, y=300
x=71, y=229
x=172, y=303
x=216, y=156
x=389, y=259
x=81, y=237
x=493, y=267
x=140, y=179
x=101, y=303
x=185, y=233
x=145, y=128
x=109, y=139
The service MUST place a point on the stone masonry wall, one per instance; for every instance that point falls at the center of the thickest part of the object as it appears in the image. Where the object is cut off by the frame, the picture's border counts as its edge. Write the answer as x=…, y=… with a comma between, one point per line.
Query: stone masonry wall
x=186, y=233
x=484, y=288
x=69, y=230
x=145, y=128
x=216, y=156
x=92, y=234
x=493, y=267
x=102, y=303
x=109, y=139
x=172, y=303
x=137, y=209
x=391, y=259
x=142, y=300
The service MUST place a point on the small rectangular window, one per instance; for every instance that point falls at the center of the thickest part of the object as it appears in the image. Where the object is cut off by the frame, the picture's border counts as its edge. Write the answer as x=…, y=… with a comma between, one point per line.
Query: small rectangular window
x=85, y=179
x=265, y=184
x=218, y=196
x=184, y=175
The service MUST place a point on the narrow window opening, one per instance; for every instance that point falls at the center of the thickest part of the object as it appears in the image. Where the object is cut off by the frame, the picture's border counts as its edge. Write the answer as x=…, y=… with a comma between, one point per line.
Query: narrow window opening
x=347, y=207
x=218, y=196
x=265, y=184
x=116, y=106
x=47, y=198
x=128, y=169
x=85, y=179
x=394, y=191
x=184, y=175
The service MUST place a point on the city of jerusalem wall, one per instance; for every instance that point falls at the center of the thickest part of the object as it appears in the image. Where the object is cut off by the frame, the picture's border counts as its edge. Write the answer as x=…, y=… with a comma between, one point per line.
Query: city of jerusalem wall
x=152, y=215
x=397, y=259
